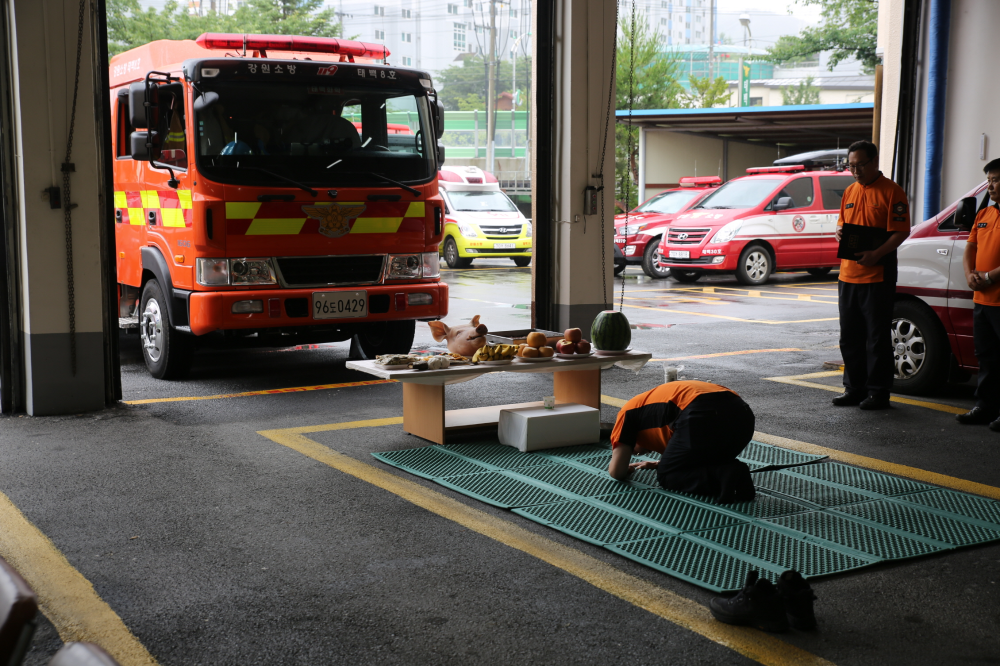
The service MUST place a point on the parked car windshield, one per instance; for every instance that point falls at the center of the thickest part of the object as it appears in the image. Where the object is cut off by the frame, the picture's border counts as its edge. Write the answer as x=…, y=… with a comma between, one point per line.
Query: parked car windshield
x=494, y=201
x=668, y=202
x=741, y=193
x=316, y=135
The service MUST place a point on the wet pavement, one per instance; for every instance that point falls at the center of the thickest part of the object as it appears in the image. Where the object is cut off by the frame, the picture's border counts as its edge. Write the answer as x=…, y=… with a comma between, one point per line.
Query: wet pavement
x=216, y=544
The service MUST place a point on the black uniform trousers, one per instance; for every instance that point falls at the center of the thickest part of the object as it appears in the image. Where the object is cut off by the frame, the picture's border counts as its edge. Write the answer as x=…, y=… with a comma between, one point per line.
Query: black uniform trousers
x=866, y=336
x=701, y=455
x=986, y=335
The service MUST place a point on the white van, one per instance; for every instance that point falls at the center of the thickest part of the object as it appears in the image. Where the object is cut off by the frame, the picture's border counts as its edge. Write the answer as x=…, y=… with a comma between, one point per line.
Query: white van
x=480, y=220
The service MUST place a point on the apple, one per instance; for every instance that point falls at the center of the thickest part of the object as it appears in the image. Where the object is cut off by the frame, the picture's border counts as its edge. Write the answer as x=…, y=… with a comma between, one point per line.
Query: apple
x=566, y=347
x=573, y=334
x=583, y=347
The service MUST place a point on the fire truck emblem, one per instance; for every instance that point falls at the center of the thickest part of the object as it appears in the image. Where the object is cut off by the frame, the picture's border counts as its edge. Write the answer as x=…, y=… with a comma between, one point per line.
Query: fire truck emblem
x=798, y=223
x=327, y=71
x=334, y=220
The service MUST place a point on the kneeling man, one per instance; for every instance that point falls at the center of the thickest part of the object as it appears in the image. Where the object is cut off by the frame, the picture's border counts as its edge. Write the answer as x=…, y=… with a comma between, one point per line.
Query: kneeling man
x=698, y=428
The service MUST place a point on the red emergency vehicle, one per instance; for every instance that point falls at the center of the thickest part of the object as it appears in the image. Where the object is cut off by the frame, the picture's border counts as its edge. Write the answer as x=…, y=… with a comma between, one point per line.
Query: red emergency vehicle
x=639, y=239
x=265, y=187
x=774, y=218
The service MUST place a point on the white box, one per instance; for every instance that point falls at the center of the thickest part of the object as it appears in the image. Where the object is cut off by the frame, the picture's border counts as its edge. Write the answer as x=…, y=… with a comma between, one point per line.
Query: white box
x=536, y=428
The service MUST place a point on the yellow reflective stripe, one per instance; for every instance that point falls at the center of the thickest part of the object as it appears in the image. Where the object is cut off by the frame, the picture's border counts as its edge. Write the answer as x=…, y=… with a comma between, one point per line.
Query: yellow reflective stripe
x=136, y=216
x=185, y=198
x=376, y=225
x=172, y=217
x=121, y=200
x=242, y=210
x=275, y=227
x=416, y=209
x=150, y=199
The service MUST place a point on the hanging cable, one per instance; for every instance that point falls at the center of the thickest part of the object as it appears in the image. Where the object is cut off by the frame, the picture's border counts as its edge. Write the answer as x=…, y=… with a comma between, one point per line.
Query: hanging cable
x=67, y=168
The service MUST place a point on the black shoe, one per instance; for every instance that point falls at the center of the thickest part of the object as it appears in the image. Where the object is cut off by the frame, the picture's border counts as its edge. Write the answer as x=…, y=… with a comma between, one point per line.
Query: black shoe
x=875, y=402
x=798, y=598
x=995, y=426
x=977, y=416
x=848, y=399
x=758, y=605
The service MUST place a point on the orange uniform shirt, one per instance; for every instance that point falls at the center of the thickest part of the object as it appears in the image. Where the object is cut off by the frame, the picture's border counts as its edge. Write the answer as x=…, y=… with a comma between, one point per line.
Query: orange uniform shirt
x=986, y=237
x=881, y=204
x=647, y=419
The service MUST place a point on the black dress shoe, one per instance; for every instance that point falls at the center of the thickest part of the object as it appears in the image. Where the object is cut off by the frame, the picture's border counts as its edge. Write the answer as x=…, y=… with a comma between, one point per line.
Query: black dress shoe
x=995, y=426
x=977, y=416
x=875, y=402
x=848, y=399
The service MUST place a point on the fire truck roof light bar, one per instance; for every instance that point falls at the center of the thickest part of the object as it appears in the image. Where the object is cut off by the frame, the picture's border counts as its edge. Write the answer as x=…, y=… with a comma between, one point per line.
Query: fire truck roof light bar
x=225, y=41
x=777, y=169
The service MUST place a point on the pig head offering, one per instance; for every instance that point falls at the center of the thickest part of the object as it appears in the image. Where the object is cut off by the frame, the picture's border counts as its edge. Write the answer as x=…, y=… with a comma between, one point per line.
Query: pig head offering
x=463, y=339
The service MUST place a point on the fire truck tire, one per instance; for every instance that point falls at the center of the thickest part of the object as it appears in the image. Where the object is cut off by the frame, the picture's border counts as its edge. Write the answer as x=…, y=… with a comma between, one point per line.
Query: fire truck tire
x=384, y=337
x=685, y=276
x=167, y=352
x=755, y=265
x=921, y=350
x=650, y=258
x=521, y=262
x=451, y=255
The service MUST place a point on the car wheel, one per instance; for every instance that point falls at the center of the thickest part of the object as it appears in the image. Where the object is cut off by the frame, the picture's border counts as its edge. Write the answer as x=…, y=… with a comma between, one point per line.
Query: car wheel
x=685, y=276
x=620, y=268
x=651, y=259
x=819, y=272
x=451, y=255
x=521, y=262
x=167, y=352
x=920, y=349
x=384, y=337
x=755, y=265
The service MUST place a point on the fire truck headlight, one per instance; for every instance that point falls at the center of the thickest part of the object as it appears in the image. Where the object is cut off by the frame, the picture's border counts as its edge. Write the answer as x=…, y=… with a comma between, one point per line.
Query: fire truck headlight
x=467, y=230
x=726, y=233
x=212, y=272
x=256, y=270
x=405, y=266
x=432, y=264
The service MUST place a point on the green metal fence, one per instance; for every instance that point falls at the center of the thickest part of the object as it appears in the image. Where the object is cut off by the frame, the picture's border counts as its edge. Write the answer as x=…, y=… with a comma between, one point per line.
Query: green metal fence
x=465, y=133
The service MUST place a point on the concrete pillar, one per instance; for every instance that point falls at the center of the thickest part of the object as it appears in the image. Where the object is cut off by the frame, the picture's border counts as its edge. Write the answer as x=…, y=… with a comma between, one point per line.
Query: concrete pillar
x=43, y=37
x=642, y=164
x=582, y=133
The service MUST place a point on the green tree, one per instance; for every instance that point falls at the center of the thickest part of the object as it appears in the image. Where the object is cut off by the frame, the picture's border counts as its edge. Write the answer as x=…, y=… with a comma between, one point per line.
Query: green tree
x=646, y=79
x=804, y=93
x=706, y=93
x=848, y=29
x=472, y=102
x=456, y=83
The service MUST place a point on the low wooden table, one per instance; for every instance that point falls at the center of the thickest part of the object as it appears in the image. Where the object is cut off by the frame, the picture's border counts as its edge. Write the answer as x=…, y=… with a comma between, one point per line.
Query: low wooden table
x=424, y=413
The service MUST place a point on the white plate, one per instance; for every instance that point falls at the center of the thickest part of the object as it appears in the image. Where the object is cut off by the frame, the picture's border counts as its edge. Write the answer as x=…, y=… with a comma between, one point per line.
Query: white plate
x=537, y=359
x=504, y=246
x=679, y=254
x=503, y=362
x=339, y=304
x=575, y=355
x=608, y=352
x=392, y=367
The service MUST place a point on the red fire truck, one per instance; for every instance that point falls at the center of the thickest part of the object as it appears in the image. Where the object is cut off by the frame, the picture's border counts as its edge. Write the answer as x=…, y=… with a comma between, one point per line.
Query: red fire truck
x=278, y=188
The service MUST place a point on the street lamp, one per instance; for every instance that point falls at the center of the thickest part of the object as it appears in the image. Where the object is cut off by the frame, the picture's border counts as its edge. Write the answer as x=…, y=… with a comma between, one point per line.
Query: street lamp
x=744, y=69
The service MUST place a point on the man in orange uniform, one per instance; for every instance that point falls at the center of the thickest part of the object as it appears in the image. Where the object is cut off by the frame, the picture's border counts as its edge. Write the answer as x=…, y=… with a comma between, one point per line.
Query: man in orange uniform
x=982, y=272
x=867, y=286
x=698, y=428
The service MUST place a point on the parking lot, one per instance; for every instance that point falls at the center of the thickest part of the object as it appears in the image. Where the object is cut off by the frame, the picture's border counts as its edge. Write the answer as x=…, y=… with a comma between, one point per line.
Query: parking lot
x=237, y=516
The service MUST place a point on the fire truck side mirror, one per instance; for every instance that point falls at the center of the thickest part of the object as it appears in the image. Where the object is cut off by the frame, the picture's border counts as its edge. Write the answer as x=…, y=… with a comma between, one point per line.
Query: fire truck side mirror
x=440, y=154
x=965, y=216
x=205, y=101
x=439, y=120
x=146, y=145
x=137, y=105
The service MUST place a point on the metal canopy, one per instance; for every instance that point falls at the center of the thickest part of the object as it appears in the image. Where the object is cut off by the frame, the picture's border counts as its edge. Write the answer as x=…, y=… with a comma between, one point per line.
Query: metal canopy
x=804, y=127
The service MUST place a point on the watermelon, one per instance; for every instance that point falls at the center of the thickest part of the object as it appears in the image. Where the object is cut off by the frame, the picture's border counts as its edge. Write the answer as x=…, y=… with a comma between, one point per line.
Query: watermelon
x=610, y=331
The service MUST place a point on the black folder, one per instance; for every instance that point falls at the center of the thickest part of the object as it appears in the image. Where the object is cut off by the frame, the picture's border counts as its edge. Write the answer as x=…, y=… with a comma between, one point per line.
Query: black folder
x=856, y=238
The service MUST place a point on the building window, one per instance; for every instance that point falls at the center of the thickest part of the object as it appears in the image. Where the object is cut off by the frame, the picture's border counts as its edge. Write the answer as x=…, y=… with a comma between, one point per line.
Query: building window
x=756, y=101
x=459, y=36
x=380, y=34
x=379, y=10
x=452, y=9
x=406, y=13
x=407, y=62
x=513, y=13
x=513, y=34
x=407, y=37
x=663, y=21
x=468, y=3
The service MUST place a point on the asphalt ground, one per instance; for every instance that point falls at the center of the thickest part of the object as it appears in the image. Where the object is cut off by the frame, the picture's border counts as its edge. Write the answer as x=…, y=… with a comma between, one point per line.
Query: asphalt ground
x=207, y=542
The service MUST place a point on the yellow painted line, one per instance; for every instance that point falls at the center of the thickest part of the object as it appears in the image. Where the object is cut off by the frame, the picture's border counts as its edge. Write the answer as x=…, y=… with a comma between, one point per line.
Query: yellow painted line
x=799, y=380
x=668, y=605
x=614, y=402
x=682, y=299
x=65, y=597
x=245, y=394
x=489, y=268
x=733, y=353
x=717, y=316
x=883, y=466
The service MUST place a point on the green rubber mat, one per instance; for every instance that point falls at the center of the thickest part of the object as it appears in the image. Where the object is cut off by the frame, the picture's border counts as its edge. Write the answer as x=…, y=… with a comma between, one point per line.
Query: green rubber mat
x=815, y=516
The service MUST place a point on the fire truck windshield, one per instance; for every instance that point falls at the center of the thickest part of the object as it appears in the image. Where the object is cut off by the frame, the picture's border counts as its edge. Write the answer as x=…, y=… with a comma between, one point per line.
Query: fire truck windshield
x=741, y=193
x=323, y=136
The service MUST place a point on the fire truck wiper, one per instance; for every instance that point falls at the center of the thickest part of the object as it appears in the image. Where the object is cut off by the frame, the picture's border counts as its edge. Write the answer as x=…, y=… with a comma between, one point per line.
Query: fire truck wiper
x=284, y=178
x=409, y=189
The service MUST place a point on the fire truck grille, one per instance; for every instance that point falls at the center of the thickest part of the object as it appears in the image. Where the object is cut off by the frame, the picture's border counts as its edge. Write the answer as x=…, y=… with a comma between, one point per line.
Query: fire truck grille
x=687, y=236
x=501, y=229
x=312, y=271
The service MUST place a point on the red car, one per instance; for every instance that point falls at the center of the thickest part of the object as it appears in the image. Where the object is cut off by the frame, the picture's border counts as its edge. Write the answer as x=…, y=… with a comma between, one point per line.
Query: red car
x=639, y=241
x=773, y=219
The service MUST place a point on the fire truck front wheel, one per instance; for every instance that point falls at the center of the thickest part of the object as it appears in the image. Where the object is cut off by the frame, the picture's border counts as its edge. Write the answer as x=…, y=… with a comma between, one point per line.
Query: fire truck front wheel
x=167, y=352
x=383, y=337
